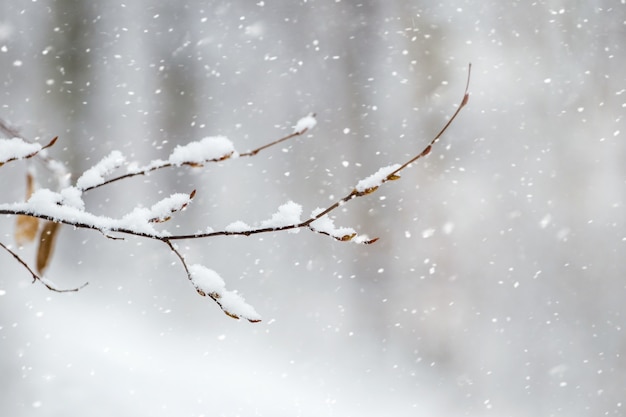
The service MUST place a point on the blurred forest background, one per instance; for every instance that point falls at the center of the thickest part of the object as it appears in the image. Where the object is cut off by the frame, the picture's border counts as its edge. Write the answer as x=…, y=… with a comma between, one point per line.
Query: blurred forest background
x=498, y=284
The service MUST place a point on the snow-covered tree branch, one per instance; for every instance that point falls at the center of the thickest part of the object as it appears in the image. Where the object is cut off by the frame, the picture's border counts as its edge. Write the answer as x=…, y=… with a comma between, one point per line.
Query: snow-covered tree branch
x=44, y=209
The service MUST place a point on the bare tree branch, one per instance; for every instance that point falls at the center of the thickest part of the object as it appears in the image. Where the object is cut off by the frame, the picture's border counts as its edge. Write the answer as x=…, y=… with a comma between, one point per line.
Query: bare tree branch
x=206, y=282
x=166, y=164
x=304, y=224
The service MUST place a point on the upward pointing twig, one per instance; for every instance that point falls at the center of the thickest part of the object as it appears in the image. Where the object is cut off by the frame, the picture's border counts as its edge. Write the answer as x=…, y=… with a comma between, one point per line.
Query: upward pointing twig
x=428, y=147
x=354, y=193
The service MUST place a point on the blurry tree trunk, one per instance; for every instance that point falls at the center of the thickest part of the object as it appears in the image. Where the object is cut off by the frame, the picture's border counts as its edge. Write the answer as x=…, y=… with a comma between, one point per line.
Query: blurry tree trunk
x=72, y=76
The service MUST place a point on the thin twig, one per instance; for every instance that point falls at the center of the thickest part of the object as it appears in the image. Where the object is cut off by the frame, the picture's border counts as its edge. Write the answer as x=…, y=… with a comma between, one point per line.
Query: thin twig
x=30, y=155
x=276, y=142
x=166, y=164
x=179, y=255
x=37, y=277
x=13, y=132
x=428, y=147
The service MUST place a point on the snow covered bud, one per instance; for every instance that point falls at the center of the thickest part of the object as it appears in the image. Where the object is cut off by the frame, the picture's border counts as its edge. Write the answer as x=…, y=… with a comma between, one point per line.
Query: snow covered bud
x=326, y=226
x=209, y=149
x=308, y=122
x=94, y=176
x=17, y=148
x=288, y=214
x=162, y=211
x=208, y=283
x=370, y=184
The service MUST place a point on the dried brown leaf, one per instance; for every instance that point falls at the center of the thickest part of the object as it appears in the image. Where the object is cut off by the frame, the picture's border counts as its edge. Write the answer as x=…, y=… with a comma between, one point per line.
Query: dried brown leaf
x=25, y=229
x=26, y=226
x=46, y=244
x=30, y=185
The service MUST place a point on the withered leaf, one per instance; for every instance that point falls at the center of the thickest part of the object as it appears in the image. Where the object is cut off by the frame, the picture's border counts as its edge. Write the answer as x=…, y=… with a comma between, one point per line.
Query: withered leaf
x=46, y=244
x=26, y=226
x=25, y=229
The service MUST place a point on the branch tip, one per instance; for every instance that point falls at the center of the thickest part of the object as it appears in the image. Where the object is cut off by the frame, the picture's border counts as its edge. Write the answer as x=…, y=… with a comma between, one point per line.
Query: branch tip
x=51, y=143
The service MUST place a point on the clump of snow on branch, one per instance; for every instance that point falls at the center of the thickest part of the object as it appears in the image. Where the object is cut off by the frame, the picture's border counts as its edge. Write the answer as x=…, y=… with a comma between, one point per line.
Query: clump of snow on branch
x=237, y=227
x=306, y=123
x=162, y=210
x=213, y=148
x=67, y=206
x=288, y=214
x=16, y=148
x=208, y=283
x=64, y=206
x=141, y=219
x=376, y=179
x=72, y=197
x=94, y=176
x=363, y=239
x=327, y=226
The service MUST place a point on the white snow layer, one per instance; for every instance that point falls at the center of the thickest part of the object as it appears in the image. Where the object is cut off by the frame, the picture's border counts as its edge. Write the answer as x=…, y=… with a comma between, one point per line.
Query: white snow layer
x=67, y=206
x=237, y=227
x=72, y=197
x=212, y=148
x=306, y=123
x=206, y=279
x=94, y=176
x=164, y=208
x=16, y=148
x=326, y=225
x=376, y=179
x=287, y=214
x=210, y=283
